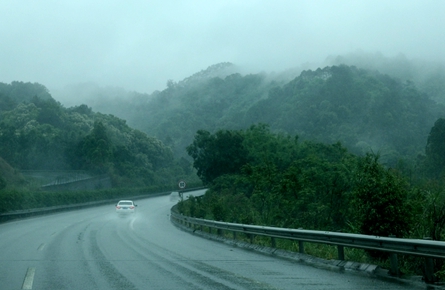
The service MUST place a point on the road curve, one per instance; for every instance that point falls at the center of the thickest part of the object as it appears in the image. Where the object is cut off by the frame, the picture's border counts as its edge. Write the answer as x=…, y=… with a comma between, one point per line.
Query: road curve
x=92, y=248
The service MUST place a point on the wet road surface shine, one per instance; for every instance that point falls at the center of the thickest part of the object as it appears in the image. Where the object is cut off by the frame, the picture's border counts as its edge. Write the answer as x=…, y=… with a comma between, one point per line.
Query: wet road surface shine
x=96, y=249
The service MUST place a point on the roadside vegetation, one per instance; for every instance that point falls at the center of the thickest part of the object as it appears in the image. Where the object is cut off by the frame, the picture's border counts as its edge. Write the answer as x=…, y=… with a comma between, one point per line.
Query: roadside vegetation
x=259, y=177
x=37, y=133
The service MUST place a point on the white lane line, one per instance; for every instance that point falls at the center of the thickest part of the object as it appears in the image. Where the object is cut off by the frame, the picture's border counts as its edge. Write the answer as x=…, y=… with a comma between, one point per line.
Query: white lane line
x=41, y=247
x=29, y=278
x=132, y=223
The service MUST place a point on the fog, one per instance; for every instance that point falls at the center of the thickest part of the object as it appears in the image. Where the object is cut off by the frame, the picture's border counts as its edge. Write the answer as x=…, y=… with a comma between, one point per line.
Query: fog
x=139, y=45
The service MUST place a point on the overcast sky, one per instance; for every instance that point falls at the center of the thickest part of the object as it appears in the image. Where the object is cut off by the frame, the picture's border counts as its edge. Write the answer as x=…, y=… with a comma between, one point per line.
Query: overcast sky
x=140, y=44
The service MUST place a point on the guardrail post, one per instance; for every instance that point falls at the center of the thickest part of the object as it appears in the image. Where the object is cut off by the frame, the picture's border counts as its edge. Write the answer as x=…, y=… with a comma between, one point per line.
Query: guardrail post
x=429, y=268
x=234, y=235
x=394, y=271
x=273, y=242
x=341, y=252
x=301, y=247
x=394, y=264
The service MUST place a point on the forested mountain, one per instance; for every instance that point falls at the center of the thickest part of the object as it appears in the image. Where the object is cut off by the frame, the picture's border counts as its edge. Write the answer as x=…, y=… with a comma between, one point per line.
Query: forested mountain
x=38, y=133
x=16, y=92
x=363, y=109
x=428, y=76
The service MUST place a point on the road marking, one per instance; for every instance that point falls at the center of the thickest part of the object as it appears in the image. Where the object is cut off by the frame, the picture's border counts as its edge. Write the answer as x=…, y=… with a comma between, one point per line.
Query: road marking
x=131, y=223
x=41, y=247
x=29, y=278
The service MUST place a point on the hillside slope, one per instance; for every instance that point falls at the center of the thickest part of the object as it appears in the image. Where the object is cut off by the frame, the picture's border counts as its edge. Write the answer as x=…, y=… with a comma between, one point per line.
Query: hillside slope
x=10, y=176
x=40, y=134
x=363, y=109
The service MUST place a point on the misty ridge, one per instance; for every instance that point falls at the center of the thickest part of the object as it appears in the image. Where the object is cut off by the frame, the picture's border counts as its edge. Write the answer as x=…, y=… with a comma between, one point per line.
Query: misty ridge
x=367, y=102
x=374, y=103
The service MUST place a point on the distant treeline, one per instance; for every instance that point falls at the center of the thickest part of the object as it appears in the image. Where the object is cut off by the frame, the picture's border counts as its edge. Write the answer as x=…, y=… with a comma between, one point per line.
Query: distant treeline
x=363, y=109
x=38, y=133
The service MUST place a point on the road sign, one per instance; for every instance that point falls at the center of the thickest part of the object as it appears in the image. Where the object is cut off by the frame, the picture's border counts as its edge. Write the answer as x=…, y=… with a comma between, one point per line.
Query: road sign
x=181, y=184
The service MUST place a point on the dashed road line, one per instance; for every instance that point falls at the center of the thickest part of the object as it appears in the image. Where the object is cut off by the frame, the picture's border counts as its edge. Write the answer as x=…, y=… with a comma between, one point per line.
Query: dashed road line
x=29, y=278
x=41, y=247
x=132, y=223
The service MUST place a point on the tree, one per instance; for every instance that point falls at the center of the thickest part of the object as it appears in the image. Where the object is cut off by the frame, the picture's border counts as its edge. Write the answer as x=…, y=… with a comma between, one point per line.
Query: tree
x=50, y=112
x=380, y=199
x=435, y=150
x=318, y=186
x=218, y=154
x=8, y=143
x=95, y=149
x=2, y=182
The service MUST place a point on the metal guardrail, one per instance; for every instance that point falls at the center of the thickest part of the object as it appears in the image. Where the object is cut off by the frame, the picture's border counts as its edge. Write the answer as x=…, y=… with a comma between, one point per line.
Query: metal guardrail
x=17, y=214
x=425, y=248
x=52, y=209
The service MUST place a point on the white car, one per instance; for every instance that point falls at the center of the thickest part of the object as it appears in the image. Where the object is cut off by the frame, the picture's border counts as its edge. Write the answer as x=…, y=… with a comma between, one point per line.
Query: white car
x=125, y=207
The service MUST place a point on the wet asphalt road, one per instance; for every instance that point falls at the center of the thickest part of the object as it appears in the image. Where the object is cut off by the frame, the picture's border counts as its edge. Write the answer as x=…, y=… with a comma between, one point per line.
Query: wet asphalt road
x=93, y=248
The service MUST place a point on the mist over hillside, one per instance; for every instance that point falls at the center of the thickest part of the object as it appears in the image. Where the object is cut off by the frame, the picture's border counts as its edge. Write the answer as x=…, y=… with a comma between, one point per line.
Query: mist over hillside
x=38, y=133
x=105, y=98
x=429, y=76
x=366, y=101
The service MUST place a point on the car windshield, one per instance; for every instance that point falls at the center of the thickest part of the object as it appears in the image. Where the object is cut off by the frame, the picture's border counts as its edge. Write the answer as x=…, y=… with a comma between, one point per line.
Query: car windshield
x=125, y=203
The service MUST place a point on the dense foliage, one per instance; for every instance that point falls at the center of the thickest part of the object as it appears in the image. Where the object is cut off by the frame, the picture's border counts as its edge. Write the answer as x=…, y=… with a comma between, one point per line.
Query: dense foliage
x=380, y=199
x=282, y=182
x=38, y=133
x=287, y=183
x=428, y=76
x=363, y=109
x=230, y=158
